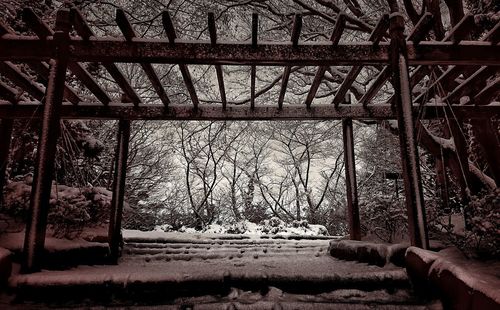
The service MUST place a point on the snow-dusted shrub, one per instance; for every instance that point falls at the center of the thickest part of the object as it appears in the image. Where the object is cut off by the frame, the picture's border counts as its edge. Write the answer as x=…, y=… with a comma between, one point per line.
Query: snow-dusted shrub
x=483, y=216
x=71, y=209
x=384, y=217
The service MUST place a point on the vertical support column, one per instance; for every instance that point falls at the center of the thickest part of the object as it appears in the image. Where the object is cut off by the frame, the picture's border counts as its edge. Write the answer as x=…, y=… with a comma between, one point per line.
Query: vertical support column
x=409, y=152
x=115, y=219
x=6, y=138
x=34, y=241
x=350, y=178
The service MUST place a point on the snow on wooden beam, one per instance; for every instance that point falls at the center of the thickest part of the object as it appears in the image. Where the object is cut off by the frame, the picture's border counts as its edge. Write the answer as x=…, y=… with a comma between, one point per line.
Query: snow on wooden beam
x=118, y=110
x=14, y=74
x=471, y=85
x=129, y=34
x=318, y=77
x=8, y=93
x=34, y=242
x=212, y=29
x=43, y=70
x=84, y=30
x=296, y=28
x=478, y=53
x=44, y=32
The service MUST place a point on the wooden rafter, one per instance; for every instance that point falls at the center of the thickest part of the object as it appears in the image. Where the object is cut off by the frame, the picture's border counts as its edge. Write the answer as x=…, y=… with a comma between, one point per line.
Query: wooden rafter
x=43, y=31
x=212, y=29
x=129, y=34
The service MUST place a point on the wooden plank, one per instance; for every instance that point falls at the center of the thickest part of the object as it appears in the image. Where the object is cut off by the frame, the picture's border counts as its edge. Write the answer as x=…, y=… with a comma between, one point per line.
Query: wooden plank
x=129, y=34
x=119, y=110
x=34, y=241
x=168, y=25
x=43, y=31
x=318, y=77
x=489, y=93
x=462, y=30
x=117, y=200
x=376, y=86
x=14, y=74
x=212, y=29
x=414, y=201
x=471, y=85
x=253, y=68
x=84, y=30
x=375, y=37
x=15, y=48
x=8, y=93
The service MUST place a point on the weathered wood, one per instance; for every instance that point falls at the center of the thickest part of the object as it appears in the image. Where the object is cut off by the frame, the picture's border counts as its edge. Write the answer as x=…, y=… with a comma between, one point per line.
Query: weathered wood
x=8, y=93
x=186, y=75
x=253, y=68
x=36, y=226
x=117, y=201
x=318, y=77
x=129, y=34
x=6, y=126
x=350, y=178
x=118, y=110
x=417, y=226
x=212, y=29
x=43, y=71
x=44, y=32
x=84, y=30
x=296, y=28
x=477, y=53
x=462, y=30
x=421, y=29
x=472, y=85
x=489, y=93
x=376, y=86
x=14, y=74
x=377, y=34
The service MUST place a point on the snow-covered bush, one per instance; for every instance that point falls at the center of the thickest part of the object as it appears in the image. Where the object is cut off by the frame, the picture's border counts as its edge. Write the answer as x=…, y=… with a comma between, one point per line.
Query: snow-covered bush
x=483, y=216
x=71, y=209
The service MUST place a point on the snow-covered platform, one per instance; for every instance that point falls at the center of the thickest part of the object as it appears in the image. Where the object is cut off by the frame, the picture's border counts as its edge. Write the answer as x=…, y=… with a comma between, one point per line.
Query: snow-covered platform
x=215, y=272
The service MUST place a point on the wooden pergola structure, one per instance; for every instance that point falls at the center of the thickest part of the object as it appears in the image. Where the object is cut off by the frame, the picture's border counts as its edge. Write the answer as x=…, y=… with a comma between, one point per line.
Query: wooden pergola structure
x=52, y=52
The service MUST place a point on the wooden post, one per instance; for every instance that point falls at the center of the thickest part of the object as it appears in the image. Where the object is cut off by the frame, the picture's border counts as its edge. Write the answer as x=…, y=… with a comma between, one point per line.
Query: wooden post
x=409, y=152
x=34, y=241
x=6, y=138
x=350, y=178
x=115, y=219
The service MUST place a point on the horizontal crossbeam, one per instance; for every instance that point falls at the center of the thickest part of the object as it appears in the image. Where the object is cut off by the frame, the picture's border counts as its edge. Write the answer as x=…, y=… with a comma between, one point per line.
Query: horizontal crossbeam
x=15, y=48
x=120, y=110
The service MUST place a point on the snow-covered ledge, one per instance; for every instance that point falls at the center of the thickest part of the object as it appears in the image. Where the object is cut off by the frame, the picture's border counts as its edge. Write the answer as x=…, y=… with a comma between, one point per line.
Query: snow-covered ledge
x=459, y=282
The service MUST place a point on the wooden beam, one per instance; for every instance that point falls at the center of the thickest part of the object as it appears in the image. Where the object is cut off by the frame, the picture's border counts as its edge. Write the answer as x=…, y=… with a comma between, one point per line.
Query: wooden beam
x=84, y=30
x=16, y=48
x=212, y=29
x=43, y=71
x=44, y=32
x=6, y=126
x=462, y=30
x=318, y=77
x=375, y=37
x=129, y=34
x=421, y=29
x=376, y=86
x=489, y=93
x=119, y=110
x=350, y=178
x=168, y=25
x=14, y=74
x=296, y=28
x=253, y=68
x=8, y=93
x=34, y=242
x=471, y=85
x=116, y=210
x=417, y=225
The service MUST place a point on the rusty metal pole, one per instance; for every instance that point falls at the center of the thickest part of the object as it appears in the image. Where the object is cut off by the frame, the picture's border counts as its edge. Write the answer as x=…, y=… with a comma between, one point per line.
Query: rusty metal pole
x=407, y=138
x=6, y=138
x=350, y=178
x=34, y=241
x=115, y=219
